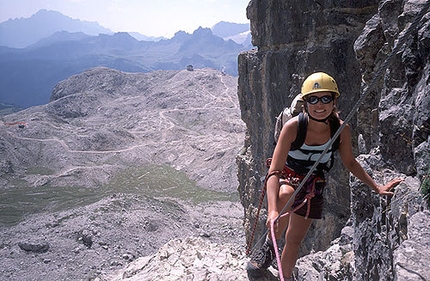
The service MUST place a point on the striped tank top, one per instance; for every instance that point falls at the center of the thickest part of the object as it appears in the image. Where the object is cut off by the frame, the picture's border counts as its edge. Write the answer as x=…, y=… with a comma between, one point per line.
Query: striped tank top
x=302, y=159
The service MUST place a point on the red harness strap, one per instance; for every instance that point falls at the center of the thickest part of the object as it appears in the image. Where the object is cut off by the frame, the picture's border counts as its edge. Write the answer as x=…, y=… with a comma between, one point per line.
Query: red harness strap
x=285, y=173
x=260, y=204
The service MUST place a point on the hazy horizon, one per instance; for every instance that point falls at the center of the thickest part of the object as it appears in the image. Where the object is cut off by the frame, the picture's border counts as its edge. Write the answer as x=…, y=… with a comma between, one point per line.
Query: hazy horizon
x=158, y=19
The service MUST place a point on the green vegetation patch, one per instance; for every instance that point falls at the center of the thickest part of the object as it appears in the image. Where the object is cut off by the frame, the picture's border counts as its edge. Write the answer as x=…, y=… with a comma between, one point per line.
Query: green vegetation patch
x=425, y=186
x=164, y=182
x=159, y=182
x=16, y=202
x=37, y=170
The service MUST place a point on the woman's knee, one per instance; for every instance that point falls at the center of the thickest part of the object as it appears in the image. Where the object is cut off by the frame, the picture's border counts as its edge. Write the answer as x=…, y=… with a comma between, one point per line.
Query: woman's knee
x=285, y=192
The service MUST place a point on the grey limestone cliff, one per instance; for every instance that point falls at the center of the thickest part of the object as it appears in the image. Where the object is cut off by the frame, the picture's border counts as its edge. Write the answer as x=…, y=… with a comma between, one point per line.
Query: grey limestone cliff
x=350, y=40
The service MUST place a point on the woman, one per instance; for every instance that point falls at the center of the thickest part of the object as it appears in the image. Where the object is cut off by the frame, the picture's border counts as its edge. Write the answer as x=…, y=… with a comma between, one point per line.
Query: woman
x=290, y=164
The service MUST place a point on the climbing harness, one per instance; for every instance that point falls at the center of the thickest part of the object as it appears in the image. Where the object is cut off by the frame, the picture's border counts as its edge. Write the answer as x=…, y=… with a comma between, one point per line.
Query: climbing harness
x=286, y=173
x=401, y=41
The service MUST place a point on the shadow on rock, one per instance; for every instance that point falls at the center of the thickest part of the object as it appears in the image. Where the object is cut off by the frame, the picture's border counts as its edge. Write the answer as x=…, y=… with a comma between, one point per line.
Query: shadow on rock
x=265, y=275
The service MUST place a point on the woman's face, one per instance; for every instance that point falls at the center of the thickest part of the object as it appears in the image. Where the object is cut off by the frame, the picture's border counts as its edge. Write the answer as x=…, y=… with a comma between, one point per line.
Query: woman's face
x=320, y=105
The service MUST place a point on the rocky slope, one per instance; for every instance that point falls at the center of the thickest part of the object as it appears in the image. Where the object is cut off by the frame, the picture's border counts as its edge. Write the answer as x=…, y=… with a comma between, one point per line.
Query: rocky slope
x=115, y=166
x=104, y=120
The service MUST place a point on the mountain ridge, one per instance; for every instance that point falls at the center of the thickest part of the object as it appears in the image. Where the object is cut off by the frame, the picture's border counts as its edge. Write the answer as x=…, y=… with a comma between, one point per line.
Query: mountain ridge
x=27, y=75
x=22, y=32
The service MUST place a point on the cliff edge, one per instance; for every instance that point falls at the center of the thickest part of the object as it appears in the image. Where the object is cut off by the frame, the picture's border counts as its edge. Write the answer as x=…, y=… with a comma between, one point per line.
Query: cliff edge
x=350, y=40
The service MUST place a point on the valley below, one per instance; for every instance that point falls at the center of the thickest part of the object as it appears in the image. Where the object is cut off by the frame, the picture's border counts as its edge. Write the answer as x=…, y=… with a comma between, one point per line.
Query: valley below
x=114, y=167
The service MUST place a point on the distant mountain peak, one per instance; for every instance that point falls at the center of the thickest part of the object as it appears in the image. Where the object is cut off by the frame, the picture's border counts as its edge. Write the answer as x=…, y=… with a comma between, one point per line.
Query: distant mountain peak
x=225, y=29
x=23, y=32
x=202, y=31
x=44, y=12
x=123, y=34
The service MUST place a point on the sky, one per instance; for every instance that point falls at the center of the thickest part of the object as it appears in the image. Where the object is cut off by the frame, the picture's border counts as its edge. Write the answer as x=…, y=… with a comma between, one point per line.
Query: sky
x=148, y=17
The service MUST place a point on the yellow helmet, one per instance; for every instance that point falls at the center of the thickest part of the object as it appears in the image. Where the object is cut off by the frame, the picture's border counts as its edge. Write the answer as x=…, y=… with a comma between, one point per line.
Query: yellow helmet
x=319, y=82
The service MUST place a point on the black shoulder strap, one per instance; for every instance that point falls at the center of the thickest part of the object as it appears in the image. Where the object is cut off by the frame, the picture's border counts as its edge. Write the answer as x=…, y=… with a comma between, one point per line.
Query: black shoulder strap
x=334, y=126
x=301, y=132
x=301, y=136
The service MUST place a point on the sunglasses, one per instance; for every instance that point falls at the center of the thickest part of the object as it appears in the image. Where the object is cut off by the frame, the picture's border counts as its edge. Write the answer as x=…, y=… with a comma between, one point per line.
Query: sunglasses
x=324, y=99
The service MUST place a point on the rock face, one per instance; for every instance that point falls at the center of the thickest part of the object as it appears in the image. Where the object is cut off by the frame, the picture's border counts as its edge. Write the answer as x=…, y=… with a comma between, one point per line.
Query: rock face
x=320, y=36
x=350, y=40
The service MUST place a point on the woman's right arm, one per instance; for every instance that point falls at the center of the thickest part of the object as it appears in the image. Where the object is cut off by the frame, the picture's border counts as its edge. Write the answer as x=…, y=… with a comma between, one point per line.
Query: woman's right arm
x=279, y=157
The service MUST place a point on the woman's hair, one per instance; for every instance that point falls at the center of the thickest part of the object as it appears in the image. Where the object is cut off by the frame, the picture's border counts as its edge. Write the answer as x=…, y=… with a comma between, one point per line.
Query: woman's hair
x=334, y=116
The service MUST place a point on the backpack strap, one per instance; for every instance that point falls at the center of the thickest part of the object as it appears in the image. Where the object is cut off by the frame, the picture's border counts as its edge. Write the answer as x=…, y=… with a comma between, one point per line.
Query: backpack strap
x=301, y=132
x=334, y=126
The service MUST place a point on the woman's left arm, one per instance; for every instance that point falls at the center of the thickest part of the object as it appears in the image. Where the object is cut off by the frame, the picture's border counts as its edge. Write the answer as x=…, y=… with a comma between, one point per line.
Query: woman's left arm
x=348, y=159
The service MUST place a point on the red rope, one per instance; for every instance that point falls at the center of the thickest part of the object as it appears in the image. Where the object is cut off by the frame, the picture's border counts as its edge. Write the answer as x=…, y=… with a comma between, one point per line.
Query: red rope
x=260, y=204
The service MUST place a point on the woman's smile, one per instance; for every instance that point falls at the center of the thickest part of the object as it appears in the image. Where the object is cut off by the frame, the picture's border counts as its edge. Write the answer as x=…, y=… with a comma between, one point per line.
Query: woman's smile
x=320, y=111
